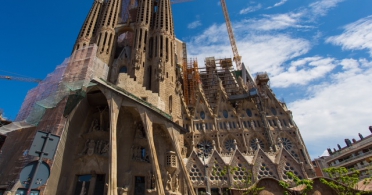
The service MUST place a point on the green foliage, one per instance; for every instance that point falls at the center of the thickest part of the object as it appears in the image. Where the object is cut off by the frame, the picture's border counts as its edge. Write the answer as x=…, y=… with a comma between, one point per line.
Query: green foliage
x=285, y=185
x=346, y=180
x=246, y=183
x=306, y=183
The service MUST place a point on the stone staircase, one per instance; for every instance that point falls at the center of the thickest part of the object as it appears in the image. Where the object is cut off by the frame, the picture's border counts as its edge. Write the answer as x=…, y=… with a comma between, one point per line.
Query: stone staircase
x=124, y=81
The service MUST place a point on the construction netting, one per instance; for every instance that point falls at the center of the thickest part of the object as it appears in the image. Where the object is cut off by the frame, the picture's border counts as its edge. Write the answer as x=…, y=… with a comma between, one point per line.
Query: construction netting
x=72, y=75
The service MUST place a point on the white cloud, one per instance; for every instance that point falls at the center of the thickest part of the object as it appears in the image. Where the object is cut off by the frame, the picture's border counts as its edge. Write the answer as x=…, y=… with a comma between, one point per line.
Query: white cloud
x=336, y=106
x=250, y=9
x=278, y=4
x=336, y=109
x=356, y=35
x=303, y=71
x=194, y=24
x=260, y=52
x=275, y=22
x=321, y=7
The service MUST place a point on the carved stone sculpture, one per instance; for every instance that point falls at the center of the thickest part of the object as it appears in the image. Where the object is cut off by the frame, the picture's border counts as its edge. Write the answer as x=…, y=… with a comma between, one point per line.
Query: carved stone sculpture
x=85, y=147
x=160, y=74
x=169, y=182
x=252, y=125
x=235, y=144
x=227, y=126
x=91, y=146
x=176, y=184
x=94, y=126
x=122, y=191
x=105, y=149
x=279, y=124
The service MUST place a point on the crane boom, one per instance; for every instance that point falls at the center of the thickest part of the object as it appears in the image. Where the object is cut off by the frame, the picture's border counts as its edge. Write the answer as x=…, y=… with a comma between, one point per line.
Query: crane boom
x=237, y=57
x=20, y=79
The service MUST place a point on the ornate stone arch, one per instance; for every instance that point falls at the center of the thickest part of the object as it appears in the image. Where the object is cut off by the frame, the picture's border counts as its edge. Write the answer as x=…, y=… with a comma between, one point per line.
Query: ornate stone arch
x=263, y=167
x=263, y=142
x=195, y=169
x=228, y=143
x=288, y=163
x=216, y=168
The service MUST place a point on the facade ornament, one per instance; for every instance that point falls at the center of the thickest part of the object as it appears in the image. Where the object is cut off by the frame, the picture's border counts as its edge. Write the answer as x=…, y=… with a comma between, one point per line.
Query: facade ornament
x=122, y=191
x=137, y=60
x=179, y=88
x=252, y=125
x=85, y=147
x=184, y=151
x=176, y=184
x=235, y=144
x=94, y=125
x=258, y=144
x=91, y=146
x=105, y=149
x=160, y=70
x=279, y=123
x=169, y=182
x=280, y=142
x=227, y=126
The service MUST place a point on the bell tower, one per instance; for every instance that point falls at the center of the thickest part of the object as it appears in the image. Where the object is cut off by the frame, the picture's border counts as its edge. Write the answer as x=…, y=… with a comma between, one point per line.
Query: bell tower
x=147, y=53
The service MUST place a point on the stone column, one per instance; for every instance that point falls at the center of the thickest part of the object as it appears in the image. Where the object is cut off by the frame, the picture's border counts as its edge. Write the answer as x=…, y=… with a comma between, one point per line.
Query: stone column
x=174, y=136
x=114, y=102
x=147, y=123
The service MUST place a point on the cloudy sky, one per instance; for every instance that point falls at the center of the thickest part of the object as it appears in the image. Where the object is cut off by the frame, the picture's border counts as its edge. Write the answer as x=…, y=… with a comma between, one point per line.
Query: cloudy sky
x=318, y=53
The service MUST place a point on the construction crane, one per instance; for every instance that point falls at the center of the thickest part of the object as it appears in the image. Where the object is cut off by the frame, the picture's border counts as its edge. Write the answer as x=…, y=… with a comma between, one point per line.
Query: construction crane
x=237, y=57
x=20, y=79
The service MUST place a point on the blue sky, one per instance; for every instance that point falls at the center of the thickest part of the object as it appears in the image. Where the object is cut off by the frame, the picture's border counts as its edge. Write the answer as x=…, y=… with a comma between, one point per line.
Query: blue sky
x=318, y=53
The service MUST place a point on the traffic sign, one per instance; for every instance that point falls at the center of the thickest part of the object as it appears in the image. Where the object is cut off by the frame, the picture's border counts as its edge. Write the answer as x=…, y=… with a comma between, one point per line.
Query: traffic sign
x=41, y=175
x=39, y=141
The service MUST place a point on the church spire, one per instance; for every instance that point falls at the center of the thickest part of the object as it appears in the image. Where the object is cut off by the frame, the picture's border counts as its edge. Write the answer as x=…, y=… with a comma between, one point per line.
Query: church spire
x=106, y=30
x=87, y=31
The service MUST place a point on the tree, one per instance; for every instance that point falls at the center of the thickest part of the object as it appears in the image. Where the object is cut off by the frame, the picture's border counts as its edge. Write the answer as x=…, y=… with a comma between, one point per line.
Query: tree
x=344, y=181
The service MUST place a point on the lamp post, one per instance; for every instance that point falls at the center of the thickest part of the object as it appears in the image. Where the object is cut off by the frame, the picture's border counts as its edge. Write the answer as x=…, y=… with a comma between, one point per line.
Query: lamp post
x=204, y=149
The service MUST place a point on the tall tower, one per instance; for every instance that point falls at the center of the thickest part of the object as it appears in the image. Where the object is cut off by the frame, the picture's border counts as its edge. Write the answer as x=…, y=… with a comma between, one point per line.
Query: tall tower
x=136, y=37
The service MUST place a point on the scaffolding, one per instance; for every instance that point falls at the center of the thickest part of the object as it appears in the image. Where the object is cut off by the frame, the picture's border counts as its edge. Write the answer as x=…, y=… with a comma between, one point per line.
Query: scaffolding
x=191, y=79
x=44, y=105
x=214, y=72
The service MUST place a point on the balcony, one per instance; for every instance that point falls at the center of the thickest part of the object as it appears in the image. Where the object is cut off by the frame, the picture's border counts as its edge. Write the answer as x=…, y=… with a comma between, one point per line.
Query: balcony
x=354, y=158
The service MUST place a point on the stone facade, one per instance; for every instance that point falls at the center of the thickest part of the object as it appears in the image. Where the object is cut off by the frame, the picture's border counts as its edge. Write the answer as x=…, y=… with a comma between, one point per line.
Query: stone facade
x=151, y=122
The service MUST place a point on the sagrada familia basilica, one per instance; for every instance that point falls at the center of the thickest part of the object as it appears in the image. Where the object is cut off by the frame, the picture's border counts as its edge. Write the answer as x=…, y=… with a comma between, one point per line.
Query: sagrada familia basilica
x=135, y=115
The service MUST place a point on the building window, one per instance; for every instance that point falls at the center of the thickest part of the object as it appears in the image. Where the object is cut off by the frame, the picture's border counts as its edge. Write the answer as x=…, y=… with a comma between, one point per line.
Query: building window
x=273, y=110
x=171, y=160
x=139, y=185
x=249, y=112
x=225, y=113
x=123, y=69
x=82, y=185
x=202, y=115
x=170, y=104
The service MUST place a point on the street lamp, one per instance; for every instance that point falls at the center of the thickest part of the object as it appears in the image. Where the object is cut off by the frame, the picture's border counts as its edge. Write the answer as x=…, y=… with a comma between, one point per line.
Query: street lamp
x=204, y=149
